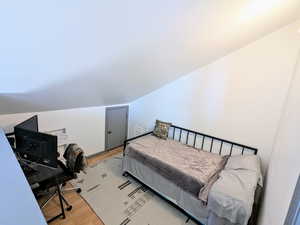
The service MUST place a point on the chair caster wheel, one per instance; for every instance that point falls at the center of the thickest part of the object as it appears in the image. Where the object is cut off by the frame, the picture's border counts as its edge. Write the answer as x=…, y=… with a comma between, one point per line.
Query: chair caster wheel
x=78, y=190
x=69, y=208
x=125, y=174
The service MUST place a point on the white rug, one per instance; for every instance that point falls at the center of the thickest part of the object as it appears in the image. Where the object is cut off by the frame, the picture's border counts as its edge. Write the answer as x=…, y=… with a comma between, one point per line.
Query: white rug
x=119, y=200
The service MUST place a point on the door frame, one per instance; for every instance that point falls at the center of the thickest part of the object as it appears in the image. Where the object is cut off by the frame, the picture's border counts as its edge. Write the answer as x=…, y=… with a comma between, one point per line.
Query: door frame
x=106, y=122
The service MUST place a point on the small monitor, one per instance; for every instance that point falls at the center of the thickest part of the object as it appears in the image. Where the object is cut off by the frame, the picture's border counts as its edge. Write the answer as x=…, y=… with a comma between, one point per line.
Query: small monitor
x=30, y=124
x=36, y=147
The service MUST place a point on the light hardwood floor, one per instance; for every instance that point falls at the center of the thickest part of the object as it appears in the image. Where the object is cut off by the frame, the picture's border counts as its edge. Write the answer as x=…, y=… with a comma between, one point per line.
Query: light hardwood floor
x=81, y=214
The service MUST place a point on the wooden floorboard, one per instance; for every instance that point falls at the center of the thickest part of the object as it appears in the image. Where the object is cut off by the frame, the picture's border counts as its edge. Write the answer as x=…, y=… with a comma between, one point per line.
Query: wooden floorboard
x=82, y=213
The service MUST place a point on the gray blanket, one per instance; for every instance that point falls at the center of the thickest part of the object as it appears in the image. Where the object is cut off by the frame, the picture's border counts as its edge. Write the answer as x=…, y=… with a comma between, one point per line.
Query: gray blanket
x=193, y=170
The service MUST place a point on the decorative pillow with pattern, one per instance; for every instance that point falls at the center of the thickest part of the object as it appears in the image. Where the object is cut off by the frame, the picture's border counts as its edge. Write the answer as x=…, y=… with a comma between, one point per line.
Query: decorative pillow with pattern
x=161, y=129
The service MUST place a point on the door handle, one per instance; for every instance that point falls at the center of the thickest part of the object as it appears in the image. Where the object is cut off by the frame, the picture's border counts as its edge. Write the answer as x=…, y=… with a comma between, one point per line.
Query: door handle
x=109, y=132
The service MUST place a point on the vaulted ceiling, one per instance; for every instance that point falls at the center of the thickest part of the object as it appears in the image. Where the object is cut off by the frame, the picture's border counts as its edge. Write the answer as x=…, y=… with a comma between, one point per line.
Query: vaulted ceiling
x=73, y=53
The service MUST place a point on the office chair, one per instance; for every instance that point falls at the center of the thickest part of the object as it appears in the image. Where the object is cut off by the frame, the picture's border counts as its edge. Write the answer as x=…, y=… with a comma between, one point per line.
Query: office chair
x=75, y=163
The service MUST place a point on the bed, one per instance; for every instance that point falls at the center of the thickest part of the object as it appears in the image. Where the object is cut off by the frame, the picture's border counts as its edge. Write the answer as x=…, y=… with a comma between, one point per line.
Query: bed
x=214, y=181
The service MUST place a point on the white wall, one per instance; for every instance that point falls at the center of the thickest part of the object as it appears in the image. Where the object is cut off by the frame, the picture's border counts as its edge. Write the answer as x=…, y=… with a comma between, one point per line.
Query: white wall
x=85, y=126
x=239, y=97
x=284, y=166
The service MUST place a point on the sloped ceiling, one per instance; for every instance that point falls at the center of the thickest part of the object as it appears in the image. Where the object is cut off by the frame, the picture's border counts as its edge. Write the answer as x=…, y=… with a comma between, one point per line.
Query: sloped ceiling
x=65, y=54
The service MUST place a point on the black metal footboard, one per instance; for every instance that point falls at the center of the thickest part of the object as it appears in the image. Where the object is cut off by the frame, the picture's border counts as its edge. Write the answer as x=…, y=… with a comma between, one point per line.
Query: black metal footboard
x=203, y=141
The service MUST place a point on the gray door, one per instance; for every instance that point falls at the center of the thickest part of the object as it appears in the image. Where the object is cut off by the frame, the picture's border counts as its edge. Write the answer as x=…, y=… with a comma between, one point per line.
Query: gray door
x=116, y=126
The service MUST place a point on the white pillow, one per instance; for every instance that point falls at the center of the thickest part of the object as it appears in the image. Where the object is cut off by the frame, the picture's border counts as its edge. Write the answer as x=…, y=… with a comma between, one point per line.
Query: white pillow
x=246, y=162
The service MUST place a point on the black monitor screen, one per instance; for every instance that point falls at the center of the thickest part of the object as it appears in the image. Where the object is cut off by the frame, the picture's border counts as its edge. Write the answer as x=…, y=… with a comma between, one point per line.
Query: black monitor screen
x=36, y=147
x=30, y=124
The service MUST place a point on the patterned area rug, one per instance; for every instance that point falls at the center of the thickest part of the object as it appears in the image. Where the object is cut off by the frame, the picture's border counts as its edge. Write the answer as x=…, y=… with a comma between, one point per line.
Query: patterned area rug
x=119, y=200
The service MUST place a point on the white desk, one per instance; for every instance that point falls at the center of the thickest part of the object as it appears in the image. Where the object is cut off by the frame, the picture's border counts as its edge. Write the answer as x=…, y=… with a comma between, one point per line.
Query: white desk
x=18, y=205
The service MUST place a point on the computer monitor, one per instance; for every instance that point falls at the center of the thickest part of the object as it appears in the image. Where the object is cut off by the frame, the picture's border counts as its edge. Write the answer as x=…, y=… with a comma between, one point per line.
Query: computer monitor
x=36, y=147
x=30, y=124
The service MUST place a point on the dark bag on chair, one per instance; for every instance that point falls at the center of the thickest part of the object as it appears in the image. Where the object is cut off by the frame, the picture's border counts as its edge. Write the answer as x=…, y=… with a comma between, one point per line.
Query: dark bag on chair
x=75, y=158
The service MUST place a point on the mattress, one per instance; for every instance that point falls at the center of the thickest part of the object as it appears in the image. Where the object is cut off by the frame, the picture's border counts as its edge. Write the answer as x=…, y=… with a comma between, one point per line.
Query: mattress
x=193, y=170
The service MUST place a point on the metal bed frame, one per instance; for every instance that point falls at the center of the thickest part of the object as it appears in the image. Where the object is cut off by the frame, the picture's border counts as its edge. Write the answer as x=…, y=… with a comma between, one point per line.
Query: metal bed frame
x=204, y=137
x=223, y=142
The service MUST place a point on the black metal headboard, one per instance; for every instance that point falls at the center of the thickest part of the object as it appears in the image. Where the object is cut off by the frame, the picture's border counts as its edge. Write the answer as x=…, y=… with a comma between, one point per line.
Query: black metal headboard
x=207, y=142
x=204, y=138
